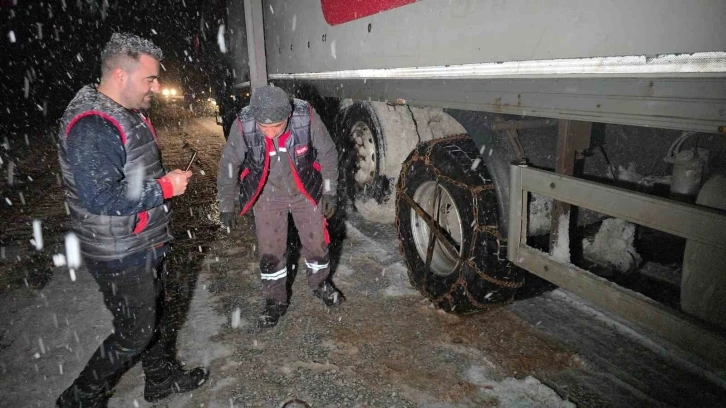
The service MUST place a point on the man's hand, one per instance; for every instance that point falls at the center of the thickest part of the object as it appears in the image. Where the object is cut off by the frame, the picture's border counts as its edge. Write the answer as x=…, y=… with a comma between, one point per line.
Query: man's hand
x=228, y=219
x=179, y=180
x=328, y=205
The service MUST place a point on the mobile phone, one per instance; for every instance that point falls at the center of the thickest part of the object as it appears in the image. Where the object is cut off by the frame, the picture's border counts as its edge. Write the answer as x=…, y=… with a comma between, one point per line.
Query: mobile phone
x=191, y=161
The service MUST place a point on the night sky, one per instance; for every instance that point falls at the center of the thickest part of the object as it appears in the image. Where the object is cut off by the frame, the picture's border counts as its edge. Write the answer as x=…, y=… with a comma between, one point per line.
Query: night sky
x=51, y=48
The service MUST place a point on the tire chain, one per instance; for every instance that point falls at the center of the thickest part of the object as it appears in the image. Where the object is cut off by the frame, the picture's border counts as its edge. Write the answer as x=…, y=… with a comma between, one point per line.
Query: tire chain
x=491, y=230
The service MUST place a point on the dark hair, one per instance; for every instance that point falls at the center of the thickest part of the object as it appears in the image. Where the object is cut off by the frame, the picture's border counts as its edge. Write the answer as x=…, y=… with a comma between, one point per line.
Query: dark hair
x=124, y=46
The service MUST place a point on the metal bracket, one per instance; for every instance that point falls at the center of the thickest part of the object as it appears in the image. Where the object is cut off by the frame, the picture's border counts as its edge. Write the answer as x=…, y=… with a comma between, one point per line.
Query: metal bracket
x=573, y=137
x=693, y=222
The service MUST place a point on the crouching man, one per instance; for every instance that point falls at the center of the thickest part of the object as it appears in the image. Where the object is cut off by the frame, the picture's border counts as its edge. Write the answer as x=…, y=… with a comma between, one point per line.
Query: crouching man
x=280, y=159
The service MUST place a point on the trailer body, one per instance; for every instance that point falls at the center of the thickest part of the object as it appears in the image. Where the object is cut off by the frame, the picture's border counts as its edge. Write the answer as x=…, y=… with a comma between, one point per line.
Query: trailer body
x=649, y=63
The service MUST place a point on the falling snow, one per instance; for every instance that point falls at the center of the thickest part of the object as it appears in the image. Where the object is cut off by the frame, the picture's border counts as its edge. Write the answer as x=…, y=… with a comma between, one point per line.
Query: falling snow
x=236, y=318
x=11, y=173
x=37, y=235
x=73, y=251
x=220, y=40
x=135, y=187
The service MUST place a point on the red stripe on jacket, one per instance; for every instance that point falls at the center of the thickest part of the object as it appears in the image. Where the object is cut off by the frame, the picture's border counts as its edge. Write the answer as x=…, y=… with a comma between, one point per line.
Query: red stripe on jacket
x=143, y=222
x=103, y=115
x=269, y=147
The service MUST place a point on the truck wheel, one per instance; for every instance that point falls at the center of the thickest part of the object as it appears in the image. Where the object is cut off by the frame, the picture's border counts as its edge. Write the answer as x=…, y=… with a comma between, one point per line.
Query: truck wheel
x=438, y=188
x=364, y=149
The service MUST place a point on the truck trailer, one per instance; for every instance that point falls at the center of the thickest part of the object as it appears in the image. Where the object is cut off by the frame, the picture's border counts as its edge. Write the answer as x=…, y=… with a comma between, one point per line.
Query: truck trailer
x=579, y=142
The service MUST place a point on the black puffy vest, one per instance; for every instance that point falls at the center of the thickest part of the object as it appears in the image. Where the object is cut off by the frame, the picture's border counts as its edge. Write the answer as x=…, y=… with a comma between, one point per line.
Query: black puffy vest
x=299, y=145
x=110, y=237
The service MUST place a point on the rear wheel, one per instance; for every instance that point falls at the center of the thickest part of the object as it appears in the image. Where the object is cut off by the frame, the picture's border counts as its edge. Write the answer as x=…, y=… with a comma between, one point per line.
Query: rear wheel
x=363, y=151
x=448, y=225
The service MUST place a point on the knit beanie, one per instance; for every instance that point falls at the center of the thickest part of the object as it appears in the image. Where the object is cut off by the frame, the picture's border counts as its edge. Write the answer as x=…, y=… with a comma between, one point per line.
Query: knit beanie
x=270, y=104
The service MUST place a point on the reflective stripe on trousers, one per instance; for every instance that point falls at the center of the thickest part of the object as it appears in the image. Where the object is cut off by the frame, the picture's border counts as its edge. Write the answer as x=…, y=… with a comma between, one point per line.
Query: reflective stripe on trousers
x=282, y=273
x=316, y=267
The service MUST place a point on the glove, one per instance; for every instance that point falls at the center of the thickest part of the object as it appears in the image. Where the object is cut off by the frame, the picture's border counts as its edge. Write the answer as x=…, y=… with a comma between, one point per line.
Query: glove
x=228, y=219
x=328, y=205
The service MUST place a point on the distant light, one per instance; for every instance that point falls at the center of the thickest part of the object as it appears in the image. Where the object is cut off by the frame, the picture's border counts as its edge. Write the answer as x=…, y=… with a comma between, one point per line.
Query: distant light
x=173, y=91
x=165, y=92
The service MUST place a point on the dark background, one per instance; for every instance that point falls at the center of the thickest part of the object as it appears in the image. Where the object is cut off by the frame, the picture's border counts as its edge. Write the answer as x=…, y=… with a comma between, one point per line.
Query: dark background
x=57, y=46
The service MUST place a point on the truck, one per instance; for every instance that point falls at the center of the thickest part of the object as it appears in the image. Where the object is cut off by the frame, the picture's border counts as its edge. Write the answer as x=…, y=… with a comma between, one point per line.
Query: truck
x=510, y=141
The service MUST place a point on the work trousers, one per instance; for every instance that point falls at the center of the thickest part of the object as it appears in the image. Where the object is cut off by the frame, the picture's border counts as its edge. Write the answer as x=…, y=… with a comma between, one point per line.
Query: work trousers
x=271, y=228
x=134, y=295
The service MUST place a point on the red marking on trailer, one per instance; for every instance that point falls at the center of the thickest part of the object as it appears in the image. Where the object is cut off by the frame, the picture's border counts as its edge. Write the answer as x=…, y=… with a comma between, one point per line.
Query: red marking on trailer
x=342, y=11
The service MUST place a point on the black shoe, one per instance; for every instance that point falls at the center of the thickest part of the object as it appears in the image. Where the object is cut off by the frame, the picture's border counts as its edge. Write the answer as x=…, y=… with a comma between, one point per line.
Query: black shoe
x=330, y=295
x=76, y=396
x=176, y=379
x=269, y=317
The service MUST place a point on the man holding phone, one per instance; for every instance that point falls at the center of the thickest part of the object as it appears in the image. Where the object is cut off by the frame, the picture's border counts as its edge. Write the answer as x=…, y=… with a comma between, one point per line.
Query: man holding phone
x=118, y=193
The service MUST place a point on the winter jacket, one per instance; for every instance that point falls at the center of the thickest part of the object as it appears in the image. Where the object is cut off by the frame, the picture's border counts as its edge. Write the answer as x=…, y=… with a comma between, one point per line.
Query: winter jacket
x=249, y=156
x=116, y=200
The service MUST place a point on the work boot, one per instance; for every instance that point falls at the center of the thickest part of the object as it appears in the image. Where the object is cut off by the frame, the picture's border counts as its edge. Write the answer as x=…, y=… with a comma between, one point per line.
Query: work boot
x=170, y=378
x=269, y=317
x=330, y=295
x=83, y=396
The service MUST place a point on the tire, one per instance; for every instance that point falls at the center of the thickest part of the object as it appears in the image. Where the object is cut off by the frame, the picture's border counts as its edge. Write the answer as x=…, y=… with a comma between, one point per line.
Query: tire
x=363, y=150
x=477, y=273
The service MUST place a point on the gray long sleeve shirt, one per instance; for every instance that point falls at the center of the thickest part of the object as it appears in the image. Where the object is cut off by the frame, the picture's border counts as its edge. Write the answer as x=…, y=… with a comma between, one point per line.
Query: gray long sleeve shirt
x=280, y=181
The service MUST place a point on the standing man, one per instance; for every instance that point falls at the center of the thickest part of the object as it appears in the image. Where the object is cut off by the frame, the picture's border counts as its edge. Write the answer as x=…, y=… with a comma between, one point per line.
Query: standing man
x=118, y=194
x=280, y=159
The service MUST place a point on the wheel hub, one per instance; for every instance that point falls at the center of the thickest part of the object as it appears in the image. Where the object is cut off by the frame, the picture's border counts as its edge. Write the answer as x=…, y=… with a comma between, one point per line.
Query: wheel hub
x=365, y=147
x=439, y=203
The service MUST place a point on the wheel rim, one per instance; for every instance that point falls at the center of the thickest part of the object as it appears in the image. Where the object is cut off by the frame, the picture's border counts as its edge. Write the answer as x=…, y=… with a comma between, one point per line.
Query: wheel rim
x=446, y=214
x=365, y=146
